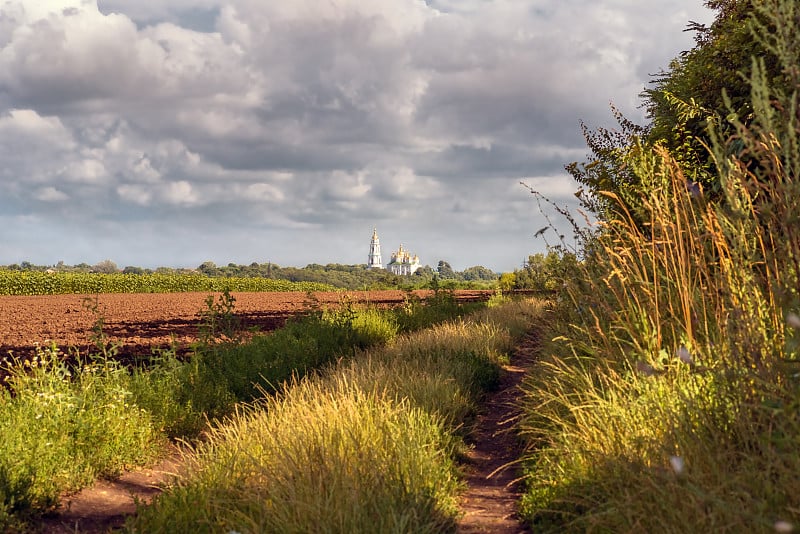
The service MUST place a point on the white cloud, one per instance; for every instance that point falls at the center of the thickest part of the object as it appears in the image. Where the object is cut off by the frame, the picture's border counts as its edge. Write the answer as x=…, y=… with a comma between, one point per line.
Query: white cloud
x=90, y=171
x=308, y=118
x=50, y=194
x=180, y=193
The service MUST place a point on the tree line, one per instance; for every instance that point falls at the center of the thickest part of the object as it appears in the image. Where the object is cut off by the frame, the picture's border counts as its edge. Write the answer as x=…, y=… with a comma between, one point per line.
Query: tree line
x=338, y=275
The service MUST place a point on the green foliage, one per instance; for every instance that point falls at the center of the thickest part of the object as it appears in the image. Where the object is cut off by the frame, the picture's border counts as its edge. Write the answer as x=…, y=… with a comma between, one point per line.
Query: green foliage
x=366, y=446
x=66, y=420
x=228, y=366
x=63, y=425
x=669, y=396
x=43, y=283
x=546, y=273
x=444, y=270
x=218, y=319
x=507, y=281
x=83, y=278
x=699, y=90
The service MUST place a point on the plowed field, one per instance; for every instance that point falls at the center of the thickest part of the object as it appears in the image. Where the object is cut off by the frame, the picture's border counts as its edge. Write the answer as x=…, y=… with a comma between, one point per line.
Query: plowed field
x=138, y=322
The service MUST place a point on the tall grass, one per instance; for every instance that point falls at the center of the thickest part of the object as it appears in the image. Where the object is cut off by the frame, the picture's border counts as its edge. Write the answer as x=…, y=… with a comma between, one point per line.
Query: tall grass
x=61, y=427
x=226, y=369
x=366, y=446
x=67, y=420
x=167, y=397
x=669, y=398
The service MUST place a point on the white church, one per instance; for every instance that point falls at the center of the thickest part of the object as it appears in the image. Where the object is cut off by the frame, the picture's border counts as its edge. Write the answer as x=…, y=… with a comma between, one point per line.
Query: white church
x=402, y=262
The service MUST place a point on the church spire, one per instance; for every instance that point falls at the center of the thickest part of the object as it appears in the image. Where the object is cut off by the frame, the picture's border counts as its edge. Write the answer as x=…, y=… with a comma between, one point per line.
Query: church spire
x=374, y=261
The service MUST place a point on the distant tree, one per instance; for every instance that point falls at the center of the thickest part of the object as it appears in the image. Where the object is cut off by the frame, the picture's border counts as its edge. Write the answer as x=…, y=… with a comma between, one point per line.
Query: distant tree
x=130, y=269
x=507, y=281
x=208, y=268
x=444, y=270
x=478, y=272
x=426, y=271
x=546, y=272
x=106, y=267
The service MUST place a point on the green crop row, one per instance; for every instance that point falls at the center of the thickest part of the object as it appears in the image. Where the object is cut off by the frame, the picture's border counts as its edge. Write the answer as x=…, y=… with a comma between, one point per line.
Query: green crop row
x=41, y=283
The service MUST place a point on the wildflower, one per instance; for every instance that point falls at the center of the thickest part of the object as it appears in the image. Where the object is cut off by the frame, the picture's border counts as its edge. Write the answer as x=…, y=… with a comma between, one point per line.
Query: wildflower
x=793, y=320
x=784, y=527
x=677, y=464
x=684, y=355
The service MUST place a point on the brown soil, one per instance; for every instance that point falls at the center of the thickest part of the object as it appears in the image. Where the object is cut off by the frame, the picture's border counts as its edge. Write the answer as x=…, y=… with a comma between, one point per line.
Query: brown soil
x=493, y=475
x=106, y=505
x=139, y=322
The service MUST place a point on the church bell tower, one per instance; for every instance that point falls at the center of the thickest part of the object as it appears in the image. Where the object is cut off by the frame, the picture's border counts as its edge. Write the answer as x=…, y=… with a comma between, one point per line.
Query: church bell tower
x=375, y=261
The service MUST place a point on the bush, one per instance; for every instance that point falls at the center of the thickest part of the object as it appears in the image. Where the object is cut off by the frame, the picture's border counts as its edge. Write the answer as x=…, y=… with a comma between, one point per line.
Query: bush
x=61, y=427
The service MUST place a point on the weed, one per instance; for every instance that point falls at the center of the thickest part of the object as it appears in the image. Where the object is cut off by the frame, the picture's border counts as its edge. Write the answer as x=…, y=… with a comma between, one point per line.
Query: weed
x=218, y=320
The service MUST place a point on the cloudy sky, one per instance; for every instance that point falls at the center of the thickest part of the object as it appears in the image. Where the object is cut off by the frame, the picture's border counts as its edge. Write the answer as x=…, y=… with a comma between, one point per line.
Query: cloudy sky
x=171, y=132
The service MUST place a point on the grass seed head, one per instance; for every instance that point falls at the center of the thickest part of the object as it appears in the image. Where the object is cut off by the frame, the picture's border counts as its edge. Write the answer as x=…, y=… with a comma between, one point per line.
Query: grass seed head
x=677, y=464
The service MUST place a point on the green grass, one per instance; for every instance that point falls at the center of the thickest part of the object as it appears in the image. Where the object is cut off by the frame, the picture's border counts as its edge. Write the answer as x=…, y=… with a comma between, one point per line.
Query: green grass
x=366, y=446
x=65, y=421
x=62, y=426
x=226, y=369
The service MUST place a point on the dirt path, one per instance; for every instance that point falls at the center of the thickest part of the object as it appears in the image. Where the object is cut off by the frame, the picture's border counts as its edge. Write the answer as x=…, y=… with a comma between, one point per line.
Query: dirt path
x=490, y=503
x=106, y=505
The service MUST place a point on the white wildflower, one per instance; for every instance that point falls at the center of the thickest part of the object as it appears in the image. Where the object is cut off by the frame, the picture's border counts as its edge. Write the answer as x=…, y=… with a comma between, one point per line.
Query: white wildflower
x=684, y=355
x=783, y=527
x=677, y=464
x=793, y=320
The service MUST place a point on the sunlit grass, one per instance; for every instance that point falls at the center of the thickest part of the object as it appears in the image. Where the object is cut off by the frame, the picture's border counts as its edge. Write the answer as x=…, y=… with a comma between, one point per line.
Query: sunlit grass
x=668, y=400
x=366, y=446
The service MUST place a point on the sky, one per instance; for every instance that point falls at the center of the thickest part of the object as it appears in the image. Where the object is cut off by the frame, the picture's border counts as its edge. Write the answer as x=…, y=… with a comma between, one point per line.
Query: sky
x=173, y=132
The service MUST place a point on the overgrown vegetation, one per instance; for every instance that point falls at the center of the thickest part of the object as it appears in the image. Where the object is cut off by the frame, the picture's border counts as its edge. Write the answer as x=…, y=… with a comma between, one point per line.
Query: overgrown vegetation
x=61, y=427
x=369, y=445
x=668, y=399
x=68, y=419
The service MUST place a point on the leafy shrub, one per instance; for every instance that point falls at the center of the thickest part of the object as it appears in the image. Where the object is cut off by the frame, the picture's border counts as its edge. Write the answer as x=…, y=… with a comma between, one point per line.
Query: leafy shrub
x=62, y=426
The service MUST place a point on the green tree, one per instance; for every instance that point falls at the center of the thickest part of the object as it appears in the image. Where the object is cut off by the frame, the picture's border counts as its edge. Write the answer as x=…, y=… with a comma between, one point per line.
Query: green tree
x=208, y=268
x=507, y=281
x=702, y=87
x=546, y=272
x=478, y=272
x=444, y=270
x=105, y=266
